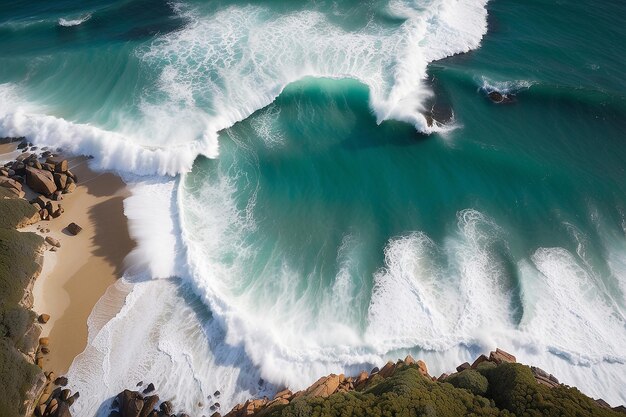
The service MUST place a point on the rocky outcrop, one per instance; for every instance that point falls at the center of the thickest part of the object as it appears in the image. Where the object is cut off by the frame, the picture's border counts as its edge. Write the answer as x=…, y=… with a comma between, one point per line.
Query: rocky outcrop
x=135, y=404
x=333, y=384
x=40, y=181
x=55, y=400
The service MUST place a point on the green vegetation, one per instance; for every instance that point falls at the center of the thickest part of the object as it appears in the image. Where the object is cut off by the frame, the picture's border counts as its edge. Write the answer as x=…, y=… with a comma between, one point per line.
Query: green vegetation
x=470, y=380
x=14, y=210
x=508, y=390
x=17, y=266
x=513, y=387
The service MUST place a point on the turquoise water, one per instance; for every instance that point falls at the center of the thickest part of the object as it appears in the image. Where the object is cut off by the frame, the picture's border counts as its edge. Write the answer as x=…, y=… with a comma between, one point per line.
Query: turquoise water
x=325, y=222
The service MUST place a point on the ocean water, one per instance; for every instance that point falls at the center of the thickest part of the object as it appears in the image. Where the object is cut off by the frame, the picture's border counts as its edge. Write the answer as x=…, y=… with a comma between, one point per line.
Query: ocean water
x=297, y=214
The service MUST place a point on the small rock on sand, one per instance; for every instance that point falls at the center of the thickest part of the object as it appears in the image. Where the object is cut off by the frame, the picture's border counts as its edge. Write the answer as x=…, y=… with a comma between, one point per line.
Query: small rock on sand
x=74, y=229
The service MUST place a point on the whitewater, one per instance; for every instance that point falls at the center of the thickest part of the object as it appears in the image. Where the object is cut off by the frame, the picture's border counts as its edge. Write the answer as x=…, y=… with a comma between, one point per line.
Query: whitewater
x=212, y=301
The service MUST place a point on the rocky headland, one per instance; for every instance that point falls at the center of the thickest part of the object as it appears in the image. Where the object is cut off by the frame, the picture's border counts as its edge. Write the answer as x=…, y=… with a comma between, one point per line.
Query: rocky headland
x=494, y=385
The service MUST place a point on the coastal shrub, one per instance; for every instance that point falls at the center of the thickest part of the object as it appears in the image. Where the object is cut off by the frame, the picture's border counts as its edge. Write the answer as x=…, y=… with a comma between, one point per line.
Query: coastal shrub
x=512, y=386
x=17, y=264
x=21, y=374
x=406, y=393
x=509, y=390
x=14, y=211
x=470, y=380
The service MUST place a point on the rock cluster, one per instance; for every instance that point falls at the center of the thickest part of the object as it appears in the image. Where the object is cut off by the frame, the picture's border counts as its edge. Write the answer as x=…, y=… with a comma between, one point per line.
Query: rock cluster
x=142, y=404
x=55, y=400
x=326, y=386
x=44, y=173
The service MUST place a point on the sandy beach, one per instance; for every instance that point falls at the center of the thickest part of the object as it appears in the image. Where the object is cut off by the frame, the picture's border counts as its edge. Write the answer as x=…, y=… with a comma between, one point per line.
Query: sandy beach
x=77, y=275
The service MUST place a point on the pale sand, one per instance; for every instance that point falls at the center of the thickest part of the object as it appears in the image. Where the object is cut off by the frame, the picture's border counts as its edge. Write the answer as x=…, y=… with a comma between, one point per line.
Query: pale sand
x=78, y=274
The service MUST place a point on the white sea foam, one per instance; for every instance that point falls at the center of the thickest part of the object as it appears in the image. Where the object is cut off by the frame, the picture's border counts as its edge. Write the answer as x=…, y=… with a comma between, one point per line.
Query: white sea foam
x=505, y=87
x=451, y=299
x=68, y=22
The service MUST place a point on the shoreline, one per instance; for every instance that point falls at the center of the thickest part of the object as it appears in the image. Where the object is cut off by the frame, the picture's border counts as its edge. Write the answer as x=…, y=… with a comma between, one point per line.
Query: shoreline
x=76, y=265
x=75, y=277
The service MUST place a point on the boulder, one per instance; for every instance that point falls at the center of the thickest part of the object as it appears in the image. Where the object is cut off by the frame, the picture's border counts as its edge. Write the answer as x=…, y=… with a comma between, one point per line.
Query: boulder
x=19, y=168
x=60, y=180
x=131, y=403
x=43, y=214
x=52, y=407
x=149, y=403
x=52, y=241
x=132, y=408
x=409, y=360
x=374, y=370
x=500, y=356
x=421, y=365
x=387, y=370
x=442, y=377
x=73, y=398
x=553, y=379
x=57, y=196
x=149, y=388
x=602, y=403
x=217, y=414
x=286, y=393
x=74, y=229
x=65, y=394
x=216, y=394
x=60, y=164
x=69, y=188
x=10, y=183
x=43, y=341
x=496, y=97
x=324, y=386
x=42, y=201
x=620, y=409
x=479, y=360
x=166, y=407
x=40, y=181
x=45, y=350
x=252, y=406
x=539, y=372
x=71, y=176
x=63, y=410
x=361, y=379
x=463, y=367
x=23, y=157
x=61, y=381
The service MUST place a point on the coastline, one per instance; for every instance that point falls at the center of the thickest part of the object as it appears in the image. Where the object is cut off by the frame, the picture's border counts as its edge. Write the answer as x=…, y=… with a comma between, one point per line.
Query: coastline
x=75, y=277
x=73, y=268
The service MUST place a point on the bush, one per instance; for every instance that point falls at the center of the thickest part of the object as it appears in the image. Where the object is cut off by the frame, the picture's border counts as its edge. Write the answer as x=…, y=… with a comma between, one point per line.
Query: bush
x=17, y=264
x=14, y=211
x=512, y=386
x=18, y=252
x=470, y=380
x=406, y=393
